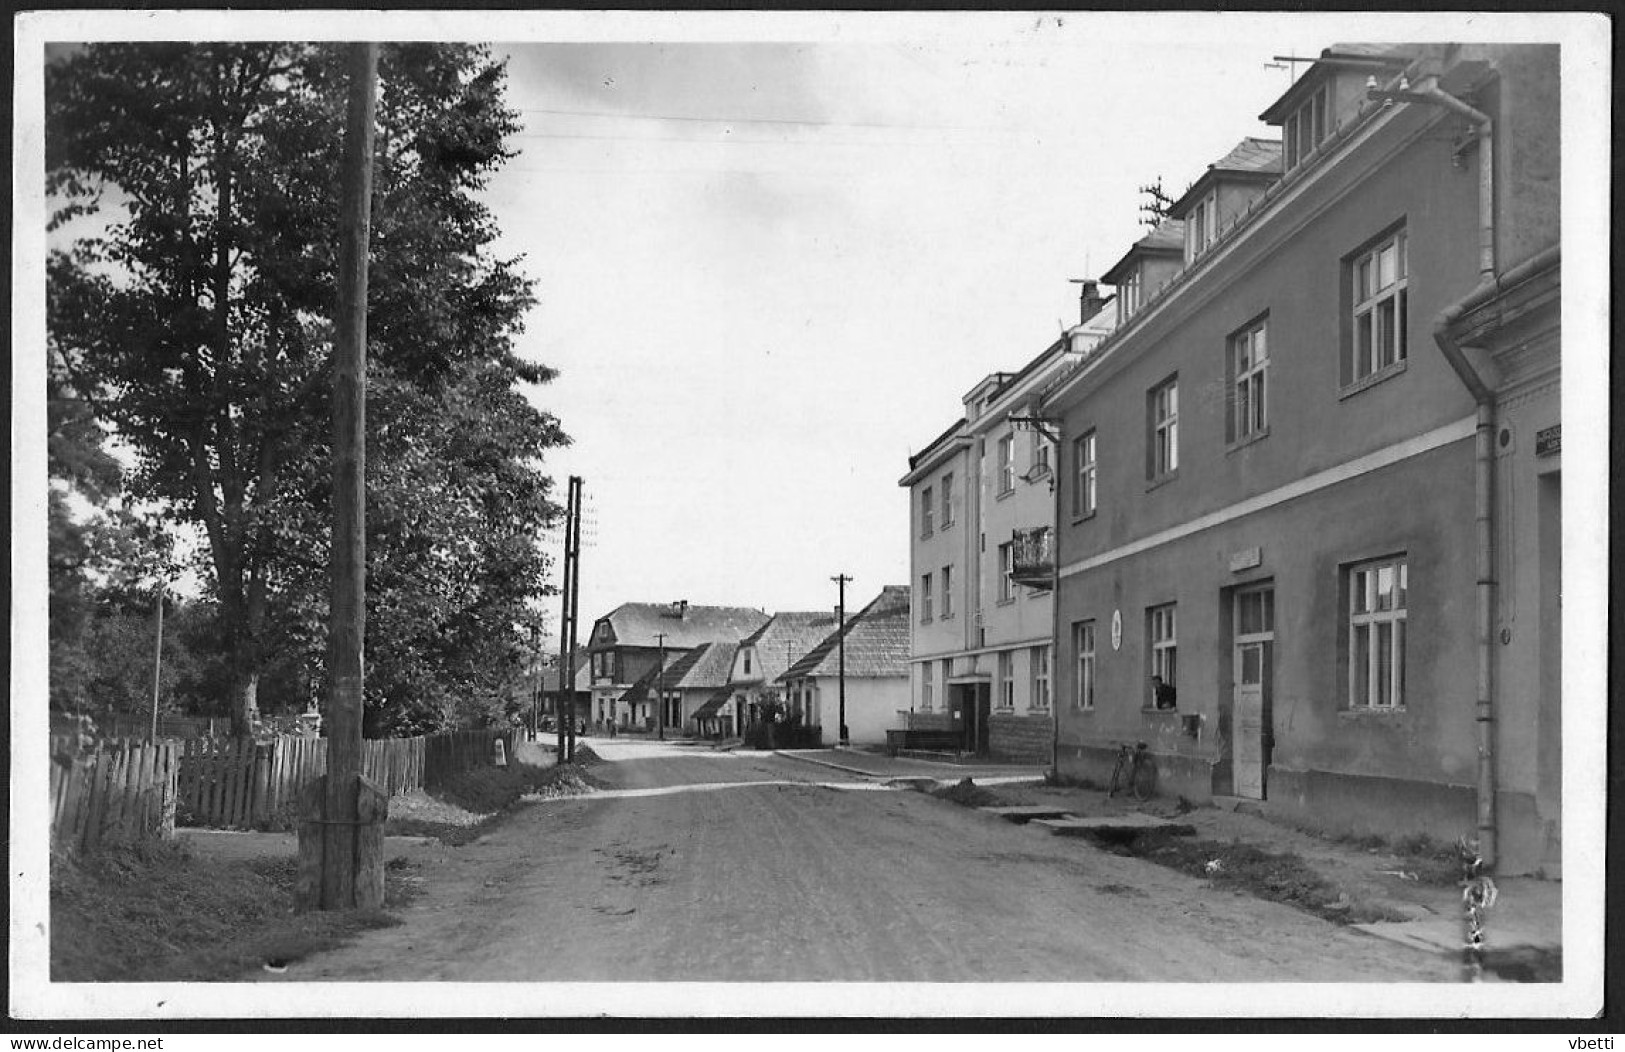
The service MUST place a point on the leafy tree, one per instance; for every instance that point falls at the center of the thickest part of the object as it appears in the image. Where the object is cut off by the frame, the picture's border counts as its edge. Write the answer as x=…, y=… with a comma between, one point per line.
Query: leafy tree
x=197, y=326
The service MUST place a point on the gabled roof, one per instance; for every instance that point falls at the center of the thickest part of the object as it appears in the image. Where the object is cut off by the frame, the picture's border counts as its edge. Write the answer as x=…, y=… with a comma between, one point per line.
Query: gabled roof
x=582, y=679
x=1167, y=239
x=877, y=641
x=785, y=639
x=639, y=624
x=713, y=703
x=1374, y=57
x=705, y=667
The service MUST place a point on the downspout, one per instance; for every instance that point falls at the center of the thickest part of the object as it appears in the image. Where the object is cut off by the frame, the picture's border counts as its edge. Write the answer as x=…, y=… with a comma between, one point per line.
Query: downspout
x=1483, y=393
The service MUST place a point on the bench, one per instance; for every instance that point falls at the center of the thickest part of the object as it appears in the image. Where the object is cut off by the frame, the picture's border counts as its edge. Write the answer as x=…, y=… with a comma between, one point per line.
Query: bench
x=925, y=741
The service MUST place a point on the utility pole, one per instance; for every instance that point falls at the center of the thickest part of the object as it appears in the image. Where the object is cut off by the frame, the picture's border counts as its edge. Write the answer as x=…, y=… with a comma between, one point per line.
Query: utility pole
x=567, y=625
x=566, y=735
x=348, y=616
x=840, y=646
x=157, y=661
x=535, y=677
x=660, y=684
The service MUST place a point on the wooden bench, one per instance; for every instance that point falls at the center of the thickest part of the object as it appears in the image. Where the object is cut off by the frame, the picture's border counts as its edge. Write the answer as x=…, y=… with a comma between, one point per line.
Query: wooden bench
x=926, y=741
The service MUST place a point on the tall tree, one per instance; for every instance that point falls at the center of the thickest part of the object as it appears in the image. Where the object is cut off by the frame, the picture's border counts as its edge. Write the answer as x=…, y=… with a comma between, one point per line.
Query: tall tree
x=197, y=325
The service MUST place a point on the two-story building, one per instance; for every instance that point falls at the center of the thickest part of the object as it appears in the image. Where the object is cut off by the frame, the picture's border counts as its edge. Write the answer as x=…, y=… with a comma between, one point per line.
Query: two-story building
x=763, y=656
x=1309, y=486
x=983, y=498
x=631, y=641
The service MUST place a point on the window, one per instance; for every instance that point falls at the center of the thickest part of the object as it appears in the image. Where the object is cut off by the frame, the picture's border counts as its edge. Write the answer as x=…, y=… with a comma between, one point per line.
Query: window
x=1007, y=681
x=925, y=598
x=1201, y=226
x=1083, y=456
x=947, y=592
x=1040, y=466
x=1162, y=631
x=1376, y=654
x=746, y=654
x=1380, y=320
x=1305, y=129
x=927, y=509
x=1249, y=373
x=1007, y=463
x=925, y=685
x=1007, y=566
x=1164, y=451
x=1128, y=295
x=1083, y=644
x=947, y=499
x=1040, y=666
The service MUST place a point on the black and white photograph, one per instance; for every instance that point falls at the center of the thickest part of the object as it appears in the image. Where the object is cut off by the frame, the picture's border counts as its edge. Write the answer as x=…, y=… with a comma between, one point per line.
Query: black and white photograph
x=796, y=514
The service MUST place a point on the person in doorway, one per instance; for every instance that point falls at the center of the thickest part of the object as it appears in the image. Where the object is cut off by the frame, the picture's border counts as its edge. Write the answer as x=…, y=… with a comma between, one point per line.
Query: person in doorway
x=1162, y=694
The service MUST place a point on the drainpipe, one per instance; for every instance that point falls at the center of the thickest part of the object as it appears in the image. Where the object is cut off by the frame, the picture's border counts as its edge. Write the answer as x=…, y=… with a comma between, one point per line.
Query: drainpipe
x=1483, y=392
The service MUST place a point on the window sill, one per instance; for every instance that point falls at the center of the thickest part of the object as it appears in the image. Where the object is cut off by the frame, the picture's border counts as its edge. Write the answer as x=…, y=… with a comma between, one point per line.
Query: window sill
x=946, y=617
x=1005, y=494
x=1159, y=712
x=927, y=535
x=1387, y=371
x=1085, y=517
x=1243, y=443
x=1371, y=713
x=1161, y=480
x=1005, y=602
x=1083, y=710
x=925, y=620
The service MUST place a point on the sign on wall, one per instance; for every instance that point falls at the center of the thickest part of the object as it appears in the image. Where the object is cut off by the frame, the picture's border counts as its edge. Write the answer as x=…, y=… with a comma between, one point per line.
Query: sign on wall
x=1117, y=629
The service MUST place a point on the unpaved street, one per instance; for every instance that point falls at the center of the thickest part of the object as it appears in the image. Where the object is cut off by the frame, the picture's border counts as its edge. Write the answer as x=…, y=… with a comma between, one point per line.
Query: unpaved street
x=721, y=867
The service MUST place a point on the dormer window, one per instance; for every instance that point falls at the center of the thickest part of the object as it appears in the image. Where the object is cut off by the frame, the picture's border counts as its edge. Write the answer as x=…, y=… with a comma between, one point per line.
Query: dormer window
x=1305, y=128
x=1202, y=226
x=1128, y=295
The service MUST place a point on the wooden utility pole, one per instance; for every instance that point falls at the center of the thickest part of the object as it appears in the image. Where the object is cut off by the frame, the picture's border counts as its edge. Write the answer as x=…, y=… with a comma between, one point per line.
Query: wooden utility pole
x=840, y=645
x=576, y=484
x=157, y=662
x=566, y=735
x=348, y=614
x=660, y=685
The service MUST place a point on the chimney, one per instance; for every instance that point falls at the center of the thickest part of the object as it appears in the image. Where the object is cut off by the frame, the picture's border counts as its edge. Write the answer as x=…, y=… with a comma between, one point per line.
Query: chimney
x=1089, y=299
x=680, y=608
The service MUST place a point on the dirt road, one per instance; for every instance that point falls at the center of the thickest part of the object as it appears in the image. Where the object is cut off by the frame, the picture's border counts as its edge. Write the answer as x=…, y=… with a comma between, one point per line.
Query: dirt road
x=722, y=867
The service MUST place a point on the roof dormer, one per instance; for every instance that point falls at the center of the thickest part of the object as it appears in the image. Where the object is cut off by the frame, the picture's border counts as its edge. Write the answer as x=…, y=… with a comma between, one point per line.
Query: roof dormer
x=1224, y=191
x=1147, y=266
x=1330, y=90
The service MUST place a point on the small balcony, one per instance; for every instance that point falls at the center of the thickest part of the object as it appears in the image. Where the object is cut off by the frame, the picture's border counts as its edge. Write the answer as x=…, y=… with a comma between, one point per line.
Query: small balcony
x=1032, y=557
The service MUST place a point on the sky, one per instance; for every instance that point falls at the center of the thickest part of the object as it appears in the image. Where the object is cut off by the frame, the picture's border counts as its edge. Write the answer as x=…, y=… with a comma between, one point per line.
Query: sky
x=773, y=251
x=769, y=272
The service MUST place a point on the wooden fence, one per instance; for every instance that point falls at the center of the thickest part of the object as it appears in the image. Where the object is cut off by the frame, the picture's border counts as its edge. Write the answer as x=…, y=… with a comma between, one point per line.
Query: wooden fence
x=117, y=791
x=238, y=783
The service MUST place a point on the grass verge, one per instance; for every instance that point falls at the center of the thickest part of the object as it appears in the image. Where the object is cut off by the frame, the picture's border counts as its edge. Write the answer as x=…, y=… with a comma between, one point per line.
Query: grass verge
x=462, y=808
x=155, y=913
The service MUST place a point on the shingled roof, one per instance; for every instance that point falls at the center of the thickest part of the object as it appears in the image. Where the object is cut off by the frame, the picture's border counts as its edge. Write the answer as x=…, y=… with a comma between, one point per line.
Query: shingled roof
x=1168, y=237
x=639, y=624
x=877, y=641
x=789, y=636
x=703, y=668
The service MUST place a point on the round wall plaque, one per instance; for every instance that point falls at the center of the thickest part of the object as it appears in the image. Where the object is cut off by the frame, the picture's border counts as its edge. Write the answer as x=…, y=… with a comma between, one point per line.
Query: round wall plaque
x=1117, y=629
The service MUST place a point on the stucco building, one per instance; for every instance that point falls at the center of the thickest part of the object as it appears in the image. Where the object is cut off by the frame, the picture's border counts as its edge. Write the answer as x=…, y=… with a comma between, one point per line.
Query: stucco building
x=1312, y=480
x=983, y=507
x=876, y=642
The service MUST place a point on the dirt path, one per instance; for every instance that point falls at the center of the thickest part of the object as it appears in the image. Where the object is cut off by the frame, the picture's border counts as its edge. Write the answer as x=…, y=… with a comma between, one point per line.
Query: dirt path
x=757, y=872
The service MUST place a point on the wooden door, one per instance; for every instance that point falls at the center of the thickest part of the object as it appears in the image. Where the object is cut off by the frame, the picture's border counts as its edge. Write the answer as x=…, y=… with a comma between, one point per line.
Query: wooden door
x=1251, y=734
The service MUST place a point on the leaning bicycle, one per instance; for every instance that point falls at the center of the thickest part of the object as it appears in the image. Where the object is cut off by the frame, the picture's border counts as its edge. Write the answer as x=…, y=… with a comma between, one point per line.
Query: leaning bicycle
x=1134, y=772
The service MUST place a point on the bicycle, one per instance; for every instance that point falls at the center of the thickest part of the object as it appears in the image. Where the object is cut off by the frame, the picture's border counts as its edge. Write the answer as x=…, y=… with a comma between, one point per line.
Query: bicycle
x=1134, y=772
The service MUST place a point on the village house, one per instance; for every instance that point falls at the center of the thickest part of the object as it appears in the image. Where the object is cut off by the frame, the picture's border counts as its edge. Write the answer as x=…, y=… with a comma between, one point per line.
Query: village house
x=631, y=641
x=764, y=655
x=983, y=499
x=1309, y=549
x=876, y=673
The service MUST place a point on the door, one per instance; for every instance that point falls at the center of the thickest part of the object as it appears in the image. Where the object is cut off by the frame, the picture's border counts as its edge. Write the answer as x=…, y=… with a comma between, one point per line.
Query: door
x=1251, y=734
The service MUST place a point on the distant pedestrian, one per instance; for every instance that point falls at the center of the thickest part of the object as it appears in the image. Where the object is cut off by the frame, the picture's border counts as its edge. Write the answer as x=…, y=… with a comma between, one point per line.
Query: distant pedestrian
x=1162, y=694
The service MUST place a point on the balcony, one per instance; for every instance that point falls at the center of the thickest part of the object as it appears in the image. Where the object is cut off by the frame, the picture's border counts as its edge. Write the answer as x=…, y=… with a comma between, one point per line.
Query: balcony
x=1032, y=557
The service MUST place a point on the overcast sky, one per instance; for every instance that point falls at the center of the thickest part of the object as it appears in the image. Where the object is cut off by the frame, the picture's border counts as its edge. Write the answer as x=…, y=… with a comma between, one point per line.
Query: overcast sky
x=769, y=271
x=774, y=251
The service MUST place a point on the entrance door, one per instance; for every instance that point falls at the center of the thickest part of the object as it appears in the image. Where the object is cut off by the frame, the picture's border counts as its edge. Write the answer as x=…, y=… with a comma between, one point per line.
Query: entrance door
x=1251, y=735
